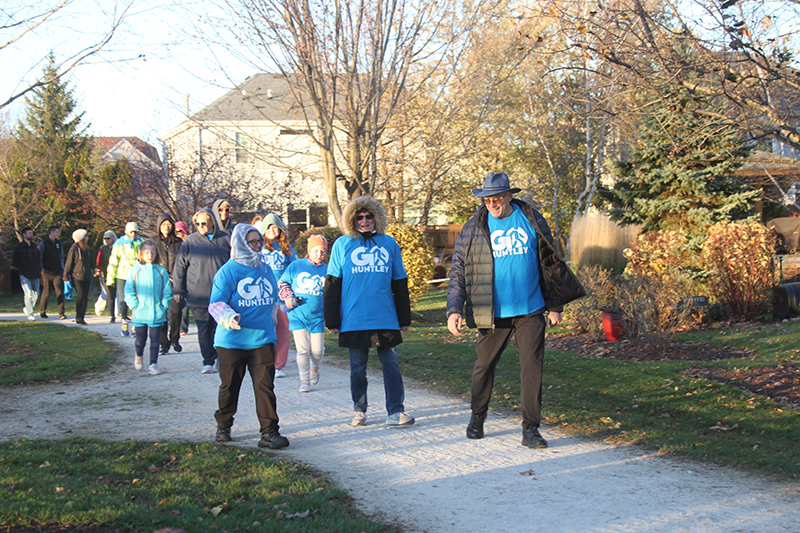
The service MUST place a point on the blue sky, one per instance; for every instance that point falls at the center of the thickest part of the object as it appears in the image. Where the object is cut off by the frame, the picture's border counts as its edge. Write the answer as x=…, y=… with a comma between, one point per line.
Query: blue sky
x=137, y=85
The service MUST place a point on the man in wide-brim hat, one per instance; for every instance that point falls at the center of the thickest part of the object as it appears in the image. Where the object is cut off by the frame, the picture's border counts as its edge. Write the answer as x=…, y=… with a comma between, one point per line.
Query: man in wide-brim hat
x=504, y=277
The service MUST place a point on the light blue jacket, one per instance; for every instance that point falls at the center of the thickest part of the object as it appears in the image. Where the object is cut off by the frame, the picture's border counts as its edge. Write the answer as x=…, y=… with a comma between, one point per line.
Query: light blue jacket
x=148, y=294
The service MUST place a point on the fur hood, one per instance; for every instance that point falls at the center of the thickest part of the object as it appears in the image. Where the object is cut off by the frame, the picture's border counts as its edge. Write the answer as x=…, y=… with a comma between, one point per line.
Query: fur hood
x=359, y=204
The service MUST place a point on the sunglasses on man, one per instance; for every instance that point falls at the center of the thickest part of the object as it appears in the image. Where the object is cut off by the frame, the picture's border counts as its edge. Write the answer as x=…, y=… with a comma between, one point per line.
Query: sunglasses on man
x=368, y=216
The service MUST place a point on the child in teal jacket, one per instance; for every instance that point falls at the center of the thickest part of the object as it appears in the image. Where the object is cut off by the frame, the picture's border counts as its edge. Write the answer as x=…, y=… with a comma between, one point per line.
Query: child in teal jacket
x=148, y=293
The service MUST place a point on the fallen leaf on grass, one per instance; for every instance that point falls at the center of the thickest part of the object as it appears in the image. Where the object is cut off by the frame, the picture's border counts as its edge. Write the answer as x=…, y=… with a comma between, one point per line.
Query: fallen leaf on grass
x=219, y=509
x=304, y=514
x=153, y=469
x=722, y=427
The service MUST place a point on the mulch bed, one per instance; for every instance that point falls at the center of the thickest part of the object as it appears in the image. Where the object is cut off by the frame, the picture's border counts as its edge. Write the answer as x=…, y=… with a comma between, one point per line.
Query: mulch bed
x=781, y=383
x=594, y=346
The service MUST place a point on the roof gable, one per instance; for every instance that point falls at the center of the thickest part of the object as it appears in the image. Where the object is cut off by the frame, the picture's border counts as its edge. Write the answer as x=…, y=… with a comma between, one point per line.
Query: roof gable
x=263, y=96
x=110, y=147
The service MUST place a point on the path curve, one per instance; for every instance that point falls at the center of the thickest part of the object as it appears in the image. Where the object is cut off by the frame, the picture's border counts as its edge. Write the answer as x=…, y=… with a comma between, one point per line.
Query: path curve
x=427, y=478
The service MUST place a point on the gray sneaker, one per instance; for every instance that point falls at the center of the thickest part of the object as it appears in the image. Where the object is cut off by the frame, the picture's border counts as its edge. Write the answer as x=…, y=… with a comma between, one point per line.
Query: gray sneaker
x=399, y=420
x=359, y=419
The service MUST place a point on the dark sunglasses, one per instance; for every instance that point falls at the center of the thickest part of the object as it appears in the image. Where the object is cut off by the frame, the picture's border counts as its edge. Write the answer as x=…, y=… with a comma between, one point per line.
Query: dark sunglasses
x=201, y=223
x=368, y=216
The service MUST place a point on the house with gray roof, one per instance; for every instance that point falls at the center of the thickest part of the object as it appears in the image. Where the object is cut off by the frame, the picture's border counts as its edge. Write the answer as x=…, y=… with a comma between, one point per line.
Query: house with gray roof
x=253, y=142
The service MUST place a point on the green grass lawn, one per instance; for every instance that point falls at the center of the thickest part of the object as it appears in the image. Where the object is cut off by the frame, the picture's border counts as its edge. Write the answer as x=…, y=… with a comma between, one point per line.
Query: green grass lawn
x=39, y=352
x=634, y=402
x=141, y=487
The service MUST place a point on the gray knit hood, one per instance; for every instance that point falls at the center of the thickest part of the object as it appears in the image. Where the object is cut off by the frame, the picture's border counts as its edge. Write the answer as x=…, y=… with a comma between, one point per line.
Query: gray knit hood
x=241, y=252
x=361, y=203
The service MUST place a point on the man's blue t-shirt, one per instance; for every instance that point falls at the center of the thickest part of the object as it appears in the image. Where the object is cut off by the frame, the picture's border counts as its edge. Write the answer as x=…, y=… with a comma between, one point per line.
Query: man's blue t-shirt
x=517, y=290
x=308, y=283
x=251, y=292
x=367, y=269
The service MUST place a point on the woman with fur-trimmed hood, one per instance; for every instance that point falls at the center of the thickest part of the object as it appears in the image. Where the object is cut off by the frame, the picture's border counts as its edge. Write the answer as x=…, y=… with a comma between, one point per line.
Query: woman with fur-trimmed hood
x=367, y=303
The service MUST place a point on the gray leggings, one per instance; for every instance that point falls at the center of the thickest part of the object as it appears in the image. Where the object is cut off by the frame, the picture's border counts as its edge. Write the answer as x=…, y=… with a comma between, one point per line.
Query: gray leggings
x=123, y=307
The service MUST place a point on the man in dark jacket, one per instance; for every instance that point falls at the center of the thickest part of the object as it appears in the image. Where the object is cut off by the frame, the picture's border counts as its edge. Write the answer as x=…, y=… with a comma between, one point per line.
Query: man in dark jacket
x=27, y=262
x=506, y=272
x=199, y=258
x=52, y=255
x=168, y=245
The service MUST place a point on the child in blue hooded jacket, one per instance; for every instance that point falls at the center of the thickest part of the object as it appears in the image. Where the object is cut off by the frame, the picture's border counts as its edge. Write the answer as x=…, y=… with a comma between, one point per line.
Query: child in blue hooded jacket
x=148, y=293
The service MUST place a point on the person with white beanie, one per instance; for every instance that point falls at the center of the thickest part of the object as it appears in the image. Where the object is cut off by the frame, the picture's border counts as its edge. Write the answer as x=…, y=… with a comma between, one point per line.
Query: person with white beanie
x=124, y=255
x=78, y=271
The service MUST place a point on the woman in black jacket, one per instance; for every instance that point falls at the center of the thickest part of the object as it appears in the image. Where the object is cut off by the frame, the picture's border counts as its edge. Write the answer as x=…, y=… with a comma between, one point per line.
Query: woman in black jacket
x=78, y=270
x=168, y=245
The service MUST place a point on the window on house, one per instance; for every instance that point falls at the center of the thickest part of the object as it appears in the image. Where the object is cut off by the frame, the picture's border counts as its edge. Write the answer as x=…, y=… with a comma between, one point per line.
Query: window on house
x=242, y=142
x=318, y=215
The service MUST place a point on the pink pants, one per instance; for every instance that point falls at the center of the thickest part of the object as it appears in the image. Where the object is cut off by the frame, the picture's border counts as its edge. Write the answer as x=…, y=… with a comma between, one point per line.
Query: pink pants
x=282, y=344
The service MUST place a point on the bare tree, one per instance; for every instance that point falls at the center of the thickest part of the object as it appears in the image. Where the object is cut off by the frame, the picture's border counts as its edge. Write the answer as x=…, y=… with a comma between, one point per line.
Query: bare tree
x=740, y=52
x=349, y=66
x=192, y=182
x=22, y=22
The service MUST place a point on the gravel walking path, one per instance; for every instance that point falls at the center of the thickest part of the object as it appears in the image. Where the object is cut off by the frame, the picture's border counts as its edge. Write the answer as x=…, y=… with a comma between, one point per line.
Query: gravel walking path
x=428, y=477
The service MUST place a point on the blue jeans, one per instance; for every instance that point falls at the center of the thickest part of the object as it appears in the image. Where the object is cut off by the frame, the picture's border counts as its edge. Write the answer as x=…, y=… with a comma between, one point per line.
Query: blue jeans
x=205, y=336
x=30, y=289
x=392, y=380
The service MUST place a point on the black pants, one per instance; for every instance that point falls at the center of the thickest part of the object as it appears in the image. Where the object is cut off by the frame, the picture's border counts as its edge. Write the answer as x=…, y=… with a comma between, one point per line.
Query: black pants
x=529, y=333
x=206, y=328
x=81, y=288
x=170, y=330
x=48, y=279
x=142, y=334
x=112, y=300
x=261, y=365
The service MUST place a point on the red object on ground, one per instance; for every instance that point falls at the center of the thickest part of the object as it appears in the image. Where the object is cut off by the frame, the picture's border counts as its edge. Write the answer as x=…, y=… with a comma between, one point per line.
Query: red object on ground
x=613, y=326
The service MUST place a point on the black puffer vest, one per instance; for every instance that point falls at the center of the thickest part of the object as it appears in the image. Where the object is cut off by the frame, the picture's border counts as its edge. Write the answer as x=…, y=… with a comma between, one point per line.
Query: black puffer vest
x=472, y=270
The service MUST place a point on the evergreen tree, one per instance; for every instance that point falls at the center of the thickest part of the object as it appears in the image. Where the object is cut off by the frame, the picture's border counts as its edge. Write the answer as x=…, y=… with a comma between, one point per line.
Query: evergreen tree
x=51, y=148
x=680, y=176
